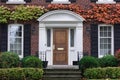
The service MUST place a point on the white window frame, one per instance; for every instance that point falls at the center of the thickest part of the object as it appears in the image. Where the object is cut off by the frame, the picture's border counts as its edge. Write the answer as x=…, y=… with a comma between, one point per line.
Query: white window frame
x=112, y=40
x=105, y=2
x=61, y=1
x=21, y=56
x=15, y=2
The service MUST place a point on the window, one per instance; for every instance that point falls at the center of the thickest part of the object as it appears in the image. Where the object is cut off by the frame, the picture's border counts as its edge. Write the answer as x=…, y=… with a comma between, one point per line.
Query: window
x=48, y=37
x=15, y=39
x=105, y=39
x=105, y=1
x=72, y=37
x=61, y=1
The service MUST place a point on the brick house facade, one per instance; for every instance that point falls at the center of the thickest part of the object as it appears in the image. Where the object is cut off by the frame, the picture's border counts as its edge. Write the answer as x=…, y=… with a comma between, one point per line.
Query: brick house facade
x=89, y=42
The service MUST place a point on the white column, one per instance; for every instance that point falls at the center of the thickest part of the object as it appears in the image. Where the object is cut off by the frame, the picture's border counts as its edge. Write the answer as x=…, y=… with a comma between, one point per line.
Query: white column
x=42, y=39
x=43, y=43
x=78, y=44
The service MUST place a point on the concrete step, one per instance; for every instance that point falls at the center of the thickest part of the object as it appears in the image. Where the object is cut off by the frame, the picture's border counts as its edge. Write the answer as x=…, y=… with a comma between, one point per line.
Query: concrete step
x=62, y=74
x=61, y=79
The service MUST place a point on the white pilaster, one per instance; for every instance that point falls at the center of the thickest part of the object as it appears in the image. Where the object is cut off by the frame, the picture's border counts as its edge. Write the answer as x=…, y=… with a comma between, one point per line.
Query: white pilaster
x=79, y=39
x=42, y=39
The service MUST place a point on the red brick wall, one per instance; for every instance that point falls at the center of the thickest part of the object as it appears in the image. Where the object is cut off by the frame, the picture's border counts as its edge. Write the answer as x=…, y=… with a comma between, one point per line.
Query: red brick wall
x=34, y=26
x=34, y=37
x=86, y=39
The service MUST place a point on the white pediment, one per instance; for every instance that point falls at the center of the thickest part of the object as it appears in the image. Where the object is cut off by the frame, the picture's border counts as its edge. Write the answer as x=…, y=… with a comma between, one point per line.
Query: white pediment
x=61, y=15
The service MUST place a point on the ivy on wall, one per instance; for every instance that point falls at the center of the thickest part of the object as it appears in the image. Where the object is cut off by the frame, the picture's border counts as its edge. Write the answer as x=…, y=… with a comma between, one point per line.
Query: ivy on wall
x=72, y=7
x=4, y=14
x=21, y=12
x=27, y=12
x=102, y=13
x=98, y=13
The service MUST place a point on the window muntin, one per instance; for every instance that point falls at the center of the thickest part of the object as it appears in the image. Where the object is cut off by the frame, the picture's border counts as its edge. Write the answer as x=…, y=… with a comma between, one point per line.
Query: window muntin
x=15, y=39
x=105, y=40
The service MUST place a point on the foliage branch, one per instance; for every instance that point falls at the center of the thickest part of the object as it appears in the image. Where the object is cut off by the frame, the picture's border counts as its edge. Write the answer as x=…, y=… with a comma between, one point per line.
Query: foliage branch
x=101, y=13
x=27, y=12
x=4, y=14
x=21, y=12
x=72, y=7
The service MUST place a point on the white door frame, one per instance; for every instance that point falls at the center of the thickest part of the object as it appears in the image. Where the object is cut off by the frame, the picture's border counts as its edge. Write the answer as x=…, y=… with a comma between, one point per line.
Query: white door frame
x=54, y=19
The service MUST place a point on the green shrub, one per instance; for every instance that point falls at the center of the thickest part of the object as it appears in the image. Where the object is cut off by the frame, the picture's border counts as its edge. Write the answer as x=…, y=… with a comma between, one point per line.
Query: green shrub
x=8, y=60
x=88, y=62
x=31, y=61
x=21, y=74
x=103, y=73
x=108, y=61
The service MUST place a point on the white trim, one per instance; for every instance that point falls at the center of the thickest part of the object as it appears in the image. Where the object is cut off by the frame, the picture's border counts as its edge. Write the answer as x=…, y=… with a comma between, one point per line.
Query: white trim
x=105, y=2
x=60, y=2
x=112, y=40
x=21, y=56
x=54, y=19
x=50, y=13
x=15, y=2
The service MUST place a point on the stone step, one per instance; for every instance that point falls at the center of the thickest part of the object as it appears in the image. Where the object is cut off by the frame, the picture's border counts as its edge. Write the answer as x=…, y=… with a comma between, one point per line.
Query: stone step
x=61, y=78
x=61, y=69
x=62, y=74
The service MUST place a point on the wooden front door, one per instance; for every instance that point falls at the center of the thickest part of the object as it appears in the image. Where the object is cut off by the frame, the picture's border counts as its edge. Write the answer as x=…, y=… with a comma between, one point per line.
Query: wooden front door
x=60, y=46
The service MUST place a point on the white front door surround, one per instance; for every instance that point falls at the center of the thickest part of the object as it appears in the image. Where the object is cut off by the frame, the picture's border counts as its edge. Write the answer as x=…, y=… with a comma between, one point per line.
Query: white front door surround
x=61, y=19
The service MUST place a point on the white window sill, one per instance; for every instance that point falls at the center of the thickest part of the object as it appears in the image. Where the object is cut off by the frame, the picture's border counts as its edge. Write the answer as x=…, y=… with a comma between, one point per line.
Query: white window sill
x=105, y=2
x=15, y=2
x=60, y=2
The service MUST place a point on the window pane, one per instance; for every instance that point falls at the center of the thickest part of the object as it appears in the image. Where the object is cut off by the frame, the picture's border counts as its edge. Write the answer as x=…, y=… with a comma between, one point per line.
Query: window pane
x=101, y=46
x=72, y=37
x=109, y=29
x=109, y=34
x=101, y=34
x=101, y=28
x=48, y=37
x=101, y=40
x=109, y=40
x=105, y=34
x=105, y=28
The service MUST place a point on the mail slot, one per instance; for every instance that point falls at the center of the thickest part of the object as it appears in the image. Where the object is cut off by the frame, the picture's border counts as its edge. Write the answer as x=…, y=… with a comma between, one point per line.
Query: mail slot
x=60, y=48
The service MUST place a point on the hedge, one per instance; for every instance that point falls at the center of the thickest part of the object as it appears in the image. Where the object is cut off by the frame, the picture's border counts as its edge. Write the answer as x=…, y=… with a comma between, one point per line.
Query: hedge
x=88, y=62
x=9, y=60
x=21, y=74
x=31, y=61
x=102, y=73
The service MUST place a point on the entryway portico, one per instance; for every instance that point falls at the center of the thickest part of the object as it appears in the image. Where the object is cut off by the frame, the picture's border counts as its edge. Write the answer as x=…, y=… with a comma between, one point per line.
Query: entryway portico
x=61, y=36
